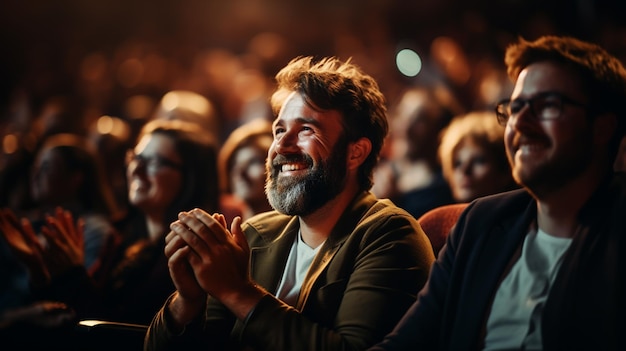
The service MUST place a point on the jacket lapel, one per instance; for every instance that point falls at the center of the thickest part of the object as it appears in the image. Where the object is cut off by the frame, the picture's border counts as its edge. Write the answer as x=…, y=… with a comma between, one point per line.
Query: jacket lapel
x=264, y=260
x=342, y=230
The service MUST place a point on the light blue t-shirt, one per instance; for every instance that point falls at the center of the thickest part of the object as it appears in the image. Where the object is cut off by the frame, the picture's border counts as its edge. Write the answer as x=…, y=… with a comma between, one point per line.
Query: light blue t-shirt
x=300, y=258
x=515, y=317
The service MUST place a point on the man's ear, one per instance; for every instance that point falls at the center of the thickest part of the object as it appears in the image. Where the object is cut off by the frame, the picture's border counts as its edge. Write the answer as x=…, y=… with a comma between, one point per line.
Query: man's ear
x=358, y=152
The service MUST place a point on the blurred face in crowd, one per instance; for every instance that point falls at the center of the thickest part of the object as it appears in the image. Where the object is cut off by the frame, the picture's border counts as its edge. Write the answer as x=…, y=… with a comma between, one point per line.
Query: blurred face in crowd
x=247, y=173
x=415, y=126
x=307, y=161
x=475, y=172
x=51, y=180
x=153, y=173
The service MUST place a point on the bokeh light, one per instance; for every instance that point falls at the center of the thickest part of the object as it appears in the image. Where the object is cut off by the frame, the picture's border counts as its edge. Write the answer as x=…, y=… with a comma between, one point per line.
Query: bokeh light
x=9, y=143
x=408, y=62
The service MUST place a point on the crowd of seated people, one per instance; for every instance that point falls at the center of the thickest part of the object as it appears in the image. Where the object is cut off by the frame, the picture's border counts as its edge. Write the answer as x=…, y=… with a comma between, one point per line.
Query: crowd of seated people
x=66, y=173
x=71, y=250
x=172, y=167
x=66, y=182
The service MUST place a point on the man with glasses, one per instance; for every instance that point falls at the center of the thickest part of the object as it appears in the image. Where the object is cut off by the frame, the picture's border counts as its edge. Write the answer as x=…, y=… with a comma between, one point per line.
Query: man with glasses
x=542, y=267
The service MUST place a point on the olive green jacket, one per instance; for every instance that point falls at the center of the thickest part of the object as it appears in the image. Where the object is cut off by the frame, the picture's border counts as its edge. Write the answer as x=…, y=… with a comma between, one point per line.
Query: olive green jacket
x=365, y=276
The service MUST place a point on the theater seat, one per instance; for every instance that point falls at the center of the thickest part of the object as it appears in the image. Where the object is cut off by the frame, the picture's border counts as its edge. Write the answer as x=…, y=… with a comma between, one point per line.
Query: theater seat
x=95, y=335
x=438, y=222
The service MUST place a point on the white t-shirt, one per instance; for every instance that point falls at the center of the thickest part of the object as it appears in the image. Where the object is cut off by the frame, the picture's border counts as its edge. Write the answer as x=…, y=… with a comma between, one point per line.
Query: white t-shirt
x=515, y=317
x=298, y=263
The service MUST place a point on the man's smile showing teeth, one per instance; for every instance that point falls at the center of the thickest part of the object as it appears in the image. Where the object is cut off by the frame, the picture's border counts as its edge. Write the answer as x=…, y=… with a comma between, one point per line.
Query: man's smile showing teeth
x=528, y=145
x=291, y=167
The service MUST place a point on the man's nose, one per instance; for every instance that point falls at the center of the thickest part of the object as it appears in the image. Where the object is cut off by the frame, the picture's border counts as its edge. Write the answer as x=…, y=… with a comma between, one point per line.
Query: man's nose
x=523, y=117
x=287, y=142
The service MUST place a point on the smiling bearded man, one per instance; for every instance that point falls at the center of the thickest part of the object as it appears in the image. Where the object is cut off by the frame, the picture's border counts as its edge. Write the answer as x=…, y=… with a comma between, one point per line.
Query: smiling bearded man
x=297, y=278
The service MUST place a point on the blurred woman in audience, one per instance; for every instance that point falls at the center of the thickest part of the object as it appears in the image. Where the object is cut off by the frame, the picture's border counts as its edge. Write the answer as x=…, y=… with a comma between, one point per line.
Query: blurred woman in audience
x=66, y=173
x=472, y=156
x=241, y=164
x=173, y=167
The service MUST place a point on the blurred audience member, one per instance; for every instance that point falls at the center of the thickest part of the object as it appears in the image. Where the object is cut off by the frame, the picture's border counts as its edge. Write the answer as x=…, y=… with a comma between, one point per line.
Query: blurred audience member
x=112, y=137
x=66, y=173
x=189, y=106
x=472, y=157
x=412, y=176
x=18, y=148
x=242, y=165
x=172, y=167
x=61, y=113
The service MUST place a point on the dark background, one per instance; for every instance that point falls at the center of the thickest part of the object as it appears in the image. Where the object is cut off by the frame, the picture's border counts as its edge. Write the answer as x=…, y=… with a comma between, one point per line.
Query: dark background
x=48, y=46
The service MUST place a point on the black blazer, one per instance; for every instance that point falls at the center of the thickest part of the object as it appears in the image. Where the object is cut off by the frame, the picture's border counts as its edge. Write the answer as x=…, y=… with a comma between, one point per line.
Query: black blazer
x=585, y=306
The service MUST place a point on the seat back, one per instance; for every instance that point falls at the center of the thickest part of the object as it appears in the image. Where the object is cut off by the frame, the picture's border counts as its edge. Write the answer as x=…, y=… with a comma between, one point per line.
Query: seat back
x=438, y=222
x=97, y=335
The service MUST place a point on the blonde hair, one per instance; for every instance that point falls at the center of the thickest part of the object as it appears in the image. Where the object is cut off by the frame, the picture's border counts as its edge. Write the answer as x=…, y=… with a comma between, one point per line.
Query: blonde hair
x=481, y=127
x=246, y=134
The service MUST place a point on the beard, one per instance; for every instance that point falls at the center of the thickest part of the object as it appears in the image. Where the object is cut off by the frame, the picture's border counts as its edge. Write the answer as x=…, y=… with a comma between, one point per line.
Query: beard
x=546, y=178
x=303, y=195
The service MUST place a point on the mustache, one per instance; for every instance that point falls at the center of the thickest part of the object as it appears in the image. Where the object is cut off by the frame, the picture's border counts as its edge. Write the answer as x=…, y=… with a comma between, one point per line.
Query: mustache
x=292, y=158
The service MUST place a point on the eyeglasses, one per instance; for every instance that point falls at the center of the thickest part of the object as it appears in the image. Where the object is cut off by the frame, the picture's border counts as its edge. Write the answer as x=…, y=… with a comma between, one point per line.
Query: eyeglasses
x=544, y=106
x=152, y=164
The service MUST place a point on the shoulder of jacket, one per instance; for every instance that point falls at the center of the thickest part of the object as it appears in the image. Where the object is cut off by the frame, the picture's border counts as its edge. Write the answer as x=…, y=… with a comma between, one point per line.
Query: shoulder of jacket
x=267, y=225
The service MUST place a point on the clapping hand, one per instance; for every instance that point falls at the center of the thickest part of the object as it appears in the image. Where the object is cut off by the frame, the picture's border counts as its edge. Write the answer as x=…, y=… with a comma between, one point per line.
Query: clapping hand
x=59, y=248
x=65, y=241
x=190, y=296
x=25, y=244
x=206, y=258
x=219, y=258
